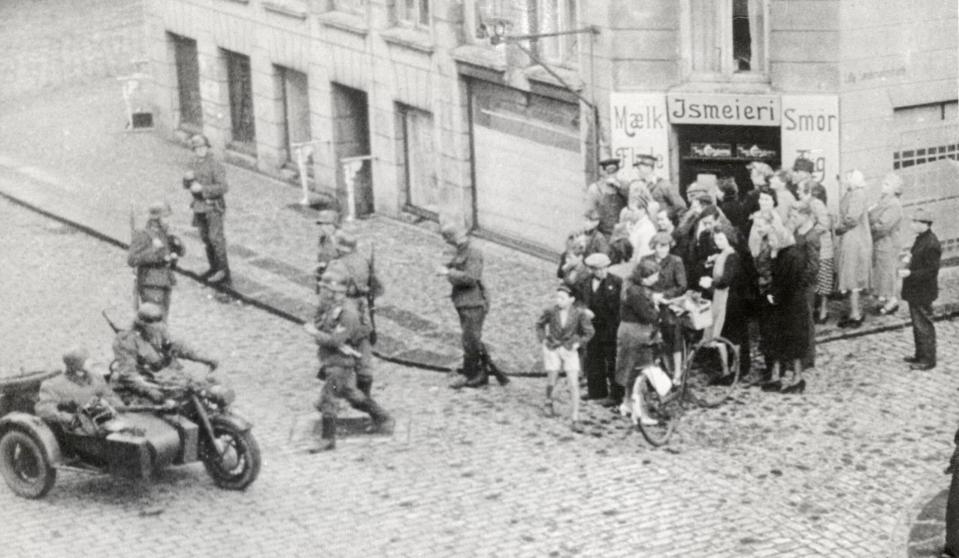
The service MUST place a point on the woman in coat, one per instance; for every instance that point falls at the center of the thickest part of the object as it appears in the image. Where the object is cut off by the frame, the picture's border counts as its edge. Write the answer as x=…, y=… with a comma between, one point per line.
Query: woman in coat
x=725, y=285
x=885, y=221
x=791, y=312
x=855, y=246
x=671, y=284
x=814, y=194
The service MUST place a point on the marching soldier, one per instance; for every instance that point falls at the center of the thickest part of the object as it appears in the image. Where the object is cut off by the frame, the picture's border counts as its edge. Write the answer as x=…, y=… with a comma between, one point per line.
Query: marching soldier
x=664, y=193
x=144, y=351
x=328, y=222
x=339, y=334
x=465, y=273
x=206, y=180
x=153, y=254
x=363, y=288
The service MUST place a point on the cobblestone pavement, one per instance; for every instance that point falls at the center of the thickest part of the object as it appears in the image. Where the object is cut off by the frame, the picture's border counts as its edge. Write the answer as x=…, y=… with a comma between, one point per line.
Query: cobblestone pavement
x=477, y=473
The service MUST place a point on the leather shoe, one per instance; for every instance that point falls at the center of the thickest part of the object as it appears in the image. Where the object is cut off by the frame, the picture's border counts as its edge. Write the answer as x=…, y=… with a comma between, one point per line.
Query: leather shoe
x=922, y=366
x=608, y=402
x=910, y=359
x=851, y=323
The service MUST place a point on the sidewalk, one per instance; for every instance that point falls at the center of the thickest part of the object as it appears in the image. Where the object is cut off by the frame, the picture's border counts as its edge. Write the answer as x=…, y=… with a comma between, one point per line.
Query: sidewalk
x=66, y=154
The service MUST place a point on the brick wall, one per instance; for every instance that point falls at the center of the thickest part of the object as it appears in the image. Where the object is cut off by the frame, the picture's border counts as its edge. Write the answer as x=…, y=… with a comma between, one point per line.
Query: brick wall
x=45, y=45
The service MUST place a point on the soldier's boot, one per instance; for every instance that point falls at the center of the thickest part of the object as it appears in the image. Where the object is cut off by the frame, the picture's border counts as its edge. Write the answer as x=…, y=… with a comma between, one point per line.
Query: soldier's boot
x=502, y=378
x=383, y=423
x=365, y=384
x=327, y=437
x=548, y=407
x=481, y=376
x=211, y=261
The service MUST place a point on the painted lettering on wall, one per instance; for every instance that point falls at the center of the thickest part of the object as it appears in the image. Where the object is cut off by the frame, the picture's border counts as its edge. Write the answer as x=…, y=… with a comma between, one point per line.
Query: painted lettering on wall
x=638, y=125
x=806, y=122
x=747, y=110
x=629, y=121
x=810, y=129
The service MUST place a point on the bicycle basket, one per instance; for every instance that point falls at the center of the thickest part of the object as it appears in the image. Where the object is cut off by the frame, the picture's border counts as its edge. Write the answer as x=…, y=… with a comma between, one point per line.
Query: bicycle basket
x=699, y=314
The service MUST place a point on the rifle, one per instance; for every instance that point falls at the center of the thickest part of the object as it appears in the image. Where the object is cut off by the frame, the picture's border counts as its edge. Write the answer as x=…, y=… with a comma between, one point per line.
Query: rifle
x=371, y=296
x=110, y=323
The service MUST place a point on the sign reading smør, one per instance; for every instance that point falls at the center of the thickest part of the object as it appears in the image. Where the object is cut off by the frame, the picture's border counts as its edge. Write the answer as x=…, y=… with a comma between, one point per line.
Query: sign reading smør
x=724, y=110
x=810, y=126
x=639, y=126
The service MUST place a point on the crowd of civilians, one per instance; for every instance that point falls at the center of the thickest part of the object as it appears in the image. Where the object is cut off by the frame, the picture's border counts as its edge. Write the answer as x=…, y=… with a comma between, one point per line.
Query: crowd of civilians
x=769, y=253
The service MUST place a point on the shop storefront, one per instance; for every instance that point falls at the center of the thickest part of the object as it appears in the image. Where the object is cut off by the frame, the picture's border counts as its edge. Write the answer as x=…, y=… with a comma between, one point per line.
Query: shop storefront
x=717, y=135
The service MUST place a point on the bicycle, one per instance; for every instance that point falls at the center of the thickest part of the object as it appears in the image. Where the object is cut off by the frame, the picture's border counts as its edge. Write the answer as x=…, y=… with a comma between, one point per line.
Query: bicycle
x=710, y=373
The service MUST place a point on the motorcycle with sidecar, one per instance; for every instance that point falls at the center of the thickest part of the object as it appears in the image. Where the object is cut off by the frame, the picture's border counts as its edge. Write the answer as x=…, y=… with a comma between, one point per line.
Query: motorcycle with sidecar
x=198, y=424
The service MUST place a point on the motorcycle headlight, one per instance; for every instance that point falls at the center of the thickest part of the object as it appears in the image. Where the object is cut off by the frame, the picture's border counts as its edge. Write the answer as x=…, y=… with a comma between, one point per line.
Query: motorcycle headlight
x=222, y=394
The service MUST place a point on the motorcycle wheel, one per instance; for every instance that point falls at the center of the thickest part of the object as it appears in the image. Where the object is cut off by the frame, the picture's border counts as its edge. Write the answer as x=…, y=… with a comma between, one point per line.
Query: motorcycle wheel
x=233, y=460
x=24, y=465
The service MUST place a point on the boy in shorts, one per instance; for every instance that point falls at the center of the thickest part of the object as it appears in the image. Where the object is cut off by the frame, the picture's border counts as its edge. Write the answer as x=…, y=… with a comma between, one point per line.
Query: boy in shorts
x=562, y=329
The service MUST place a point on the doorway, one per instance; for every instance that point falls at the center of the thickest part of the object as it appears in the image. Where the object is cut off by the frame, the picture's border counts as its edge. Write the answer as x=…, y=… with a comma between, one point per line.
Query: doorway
x=351, y=138
x=724, y=151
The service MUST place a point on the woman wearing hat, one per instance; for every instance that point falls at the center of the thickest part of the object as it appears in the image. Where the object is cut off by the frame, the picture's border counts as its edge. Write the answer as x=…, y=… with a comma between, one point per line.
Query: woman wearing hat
x=885, y=223
x=855, y=246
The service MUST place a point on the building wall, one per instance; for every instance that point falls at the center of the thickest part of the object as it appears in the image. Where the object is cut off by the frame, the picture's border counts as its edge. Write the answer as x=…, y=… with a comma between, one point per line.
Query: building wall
x=367, y=52
x=895, y=55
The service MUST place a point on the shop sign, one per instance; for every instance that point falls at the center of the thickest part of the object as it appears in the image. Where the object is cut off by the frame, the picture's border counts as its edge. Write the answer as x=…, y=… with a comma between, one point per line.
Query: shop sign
x=810, y=127
x=639, y=126
x=724, y=110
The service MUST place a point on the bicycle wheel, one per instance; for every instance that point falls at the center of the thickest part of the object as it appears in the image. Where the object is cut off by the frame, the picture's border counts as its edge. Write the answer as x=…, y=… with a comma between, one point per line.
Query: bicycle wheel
x=664, y=410
x=712, y=371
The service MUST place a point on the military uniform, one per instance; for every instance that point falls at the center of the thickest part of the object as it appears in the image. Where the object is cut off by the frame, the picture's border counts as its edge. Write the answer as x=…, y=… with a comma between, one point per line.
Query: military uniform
x=141, y=354
x=339, y=334
x=152, y=254
x=209, y=208
x=71, y=390
x=326, y=243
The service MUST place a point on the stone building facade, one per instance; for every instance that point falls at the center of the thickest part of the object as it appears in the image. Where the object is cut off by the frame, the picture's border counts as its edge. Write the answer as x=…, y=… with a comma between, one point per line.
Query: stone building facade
x=435, y=108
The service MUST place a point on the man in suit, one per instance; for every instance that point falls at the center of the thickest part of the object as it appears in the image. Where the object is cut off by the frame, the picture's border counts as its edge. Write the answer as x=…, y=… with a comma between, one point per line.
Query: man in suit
x=920, y=287
x=153, y=254
x=599, y=292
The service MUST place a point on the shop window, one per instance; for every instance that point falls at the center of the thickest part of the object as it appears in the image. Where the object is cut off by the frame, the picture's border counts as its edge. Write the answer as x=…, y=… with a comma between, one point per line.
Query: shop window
x=419, y=158
x=296, y=110
x=240, y=89
x=413, y=13
x=725, y=38
x=188, y=81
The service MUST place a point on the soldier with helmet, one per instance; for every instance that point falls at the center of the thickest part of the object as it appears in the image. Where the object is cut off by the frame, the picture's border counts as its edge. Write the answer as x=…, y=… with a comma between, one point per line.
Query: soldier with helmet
x=339, y=334
x=153, y=254
x=328, y=222
x=363, y=288
x=62, y=396
x=145, y=350
x=465, y=273
x=206, y=180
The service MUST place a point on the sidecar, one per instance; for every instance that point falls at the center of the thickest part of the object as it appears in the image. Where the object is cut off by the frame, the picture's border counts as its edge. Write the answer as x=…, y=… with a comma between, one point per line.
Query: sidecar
x=31, y=450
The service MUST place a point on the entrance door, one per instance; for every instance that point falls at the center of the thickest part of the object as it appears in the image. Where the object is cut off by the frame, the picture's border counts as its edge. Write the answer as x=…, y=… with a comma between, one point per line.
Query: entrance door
x=351, y=138
x=725, y=151
x=528, y=165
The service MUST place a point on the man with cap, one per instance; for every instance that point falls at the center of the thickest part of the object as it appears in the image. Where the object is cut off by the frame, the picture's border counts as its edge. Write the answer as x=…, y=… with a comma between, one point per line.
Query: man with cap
x=759, y=175
x=664, y=193
x=339, y=334
x=464, y=271
x=596, y=241
x=607, y=196
x=600, y=292
x=562, y=329
x=206, y=180
x=145, y=351
x=62, y=396
x=363, y=288
x=153, y=254
x=328, y=222
x=920, y=287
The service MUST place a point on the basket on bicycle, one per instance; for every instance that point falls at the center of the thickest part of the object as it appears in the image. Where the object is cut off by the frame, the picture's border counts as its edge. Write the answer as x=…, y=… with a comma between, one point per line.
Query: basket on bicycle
x=694, y=312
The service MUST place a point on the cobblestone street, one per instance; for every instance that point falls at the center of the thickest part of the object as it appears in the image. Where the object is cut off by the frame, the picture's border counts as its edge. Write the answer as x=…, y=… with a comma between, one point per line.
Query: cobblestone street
x=481, y=473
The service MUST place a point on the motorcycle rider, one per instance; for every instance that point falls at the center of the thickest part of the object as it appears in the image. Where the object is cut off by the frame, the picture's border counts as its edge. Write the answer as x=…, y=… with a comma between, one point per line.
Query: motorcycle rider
x=339, y=334
x=145, y=350
x=62, y=396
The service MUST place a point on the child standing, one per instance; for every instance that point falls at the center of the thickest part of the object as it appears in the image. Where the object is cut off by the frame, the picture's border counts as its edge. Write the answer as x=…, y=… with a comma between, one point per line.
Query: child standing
x=562, y=329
